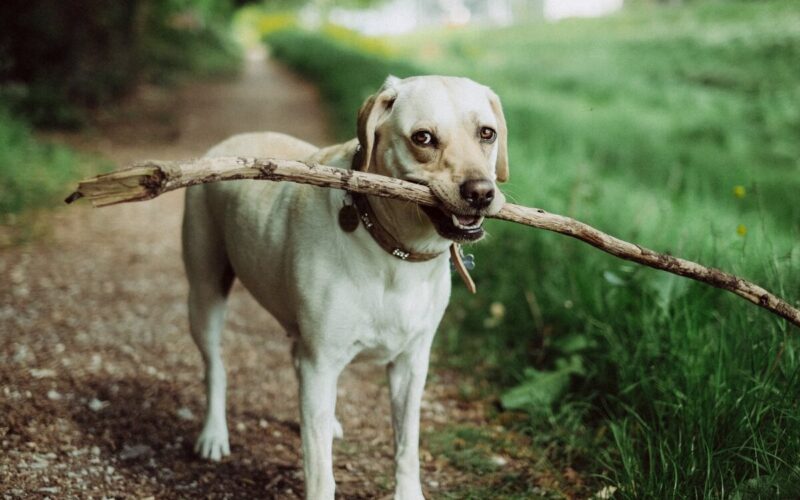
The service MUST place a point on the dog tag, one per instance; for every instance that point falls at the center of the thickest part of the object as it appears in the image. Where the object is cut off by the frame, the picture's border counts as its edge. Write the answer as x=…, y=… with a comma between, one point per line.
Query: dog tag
x=348, y=218
x=469, y=260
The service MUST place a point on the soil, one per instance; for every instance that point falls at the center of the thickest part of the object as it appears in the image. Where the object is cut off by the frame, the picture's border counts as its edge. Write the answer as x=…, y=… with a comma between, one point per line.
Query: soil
x=101, y=391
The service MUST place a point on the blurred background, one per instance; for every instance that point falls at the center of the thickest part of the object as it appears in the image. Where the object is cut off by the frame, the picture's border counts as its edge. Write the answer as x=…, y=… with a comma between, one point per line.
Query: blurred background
x=673, y=124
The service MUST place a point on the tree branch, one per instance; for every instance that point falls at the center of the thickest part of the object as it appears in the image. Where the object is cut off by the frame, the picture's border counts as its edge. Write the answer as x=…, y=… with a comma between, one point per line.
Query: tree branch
x=148, y=179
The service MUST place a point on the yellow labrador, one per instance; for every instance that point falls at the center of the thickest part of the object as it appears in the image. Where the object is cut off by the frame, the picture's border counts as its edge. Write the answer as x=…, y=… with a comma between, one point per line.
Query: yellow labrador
x=365, y=277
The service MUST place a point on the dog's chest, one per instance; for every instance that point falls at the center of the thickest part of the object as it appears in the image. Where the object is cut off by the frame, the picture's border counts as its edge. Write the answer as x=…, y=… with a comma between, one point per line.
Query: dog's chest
x=397, y=307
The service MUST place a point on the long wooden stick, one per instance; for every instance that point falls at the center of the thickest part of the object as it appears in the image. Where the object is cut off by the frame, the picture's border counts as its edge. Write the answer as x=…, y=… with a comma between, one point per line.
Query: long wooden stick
x=148, y=179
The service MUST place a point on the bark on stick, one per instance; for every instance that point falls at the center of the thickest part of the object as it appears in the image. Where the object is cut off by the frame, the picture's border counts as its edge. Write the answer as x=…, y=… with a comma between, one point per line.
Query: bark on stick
x=148, y=179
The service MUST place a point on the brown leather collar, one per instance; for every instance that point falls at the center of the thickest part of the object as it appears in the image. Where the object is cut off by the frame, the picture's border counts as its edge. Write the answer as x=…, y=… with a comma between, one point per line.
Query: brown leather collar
x=380, y=234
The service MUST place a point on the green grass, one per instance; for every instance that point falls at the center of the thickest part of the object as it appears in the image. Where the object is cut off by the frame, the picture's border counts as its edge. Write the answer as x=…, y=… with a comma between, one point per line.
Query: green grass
x=676, y=128
x=33, y=174
x=498, y=460
x=345, y=74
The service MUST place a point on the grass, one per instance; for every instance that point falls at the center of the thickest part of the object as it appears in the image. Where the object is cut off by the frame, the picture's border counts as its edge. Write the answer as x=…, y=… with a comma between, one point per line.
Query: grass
x=33, y=174
x=346, y=75
x=498, y=460
x=675, y=128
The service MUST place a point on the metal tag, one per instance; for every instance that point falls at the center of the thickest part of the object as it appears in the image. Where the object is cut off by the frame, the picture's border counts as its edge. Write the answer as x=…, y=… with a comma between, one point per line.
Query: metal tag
x=348, y=218
x=468, y=260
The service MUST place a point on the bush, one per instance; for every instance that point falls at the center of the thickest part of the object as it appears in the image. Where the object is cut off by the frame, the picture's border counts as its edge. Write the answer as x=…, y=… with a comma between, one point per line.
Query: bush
x=58, y=58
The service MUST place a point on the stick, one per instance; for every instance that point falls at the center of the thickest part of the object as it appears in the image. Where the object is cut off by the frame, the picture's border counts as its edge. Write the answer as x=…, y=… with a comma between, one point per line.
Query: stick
x=148, y=179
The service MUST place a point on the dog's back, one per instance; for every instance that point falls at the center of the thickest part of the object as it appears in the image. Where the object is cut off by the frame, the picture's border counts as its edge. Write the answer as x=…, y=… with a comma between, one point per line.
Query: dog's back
x=211, y=208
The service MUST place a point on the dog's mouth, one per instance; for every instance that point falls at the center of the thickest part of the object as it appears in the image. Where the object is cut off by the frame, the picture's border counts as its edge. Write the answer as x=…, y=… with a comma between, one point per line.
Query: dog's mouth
x=457, y=227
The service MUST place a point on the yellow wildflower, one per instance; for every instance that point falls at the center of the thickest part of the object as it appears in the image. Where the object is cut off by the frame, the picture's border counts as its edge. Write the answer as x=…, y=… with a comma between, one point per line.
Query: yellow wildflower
x=497, y=310
x=741, y=230
x=739, y=191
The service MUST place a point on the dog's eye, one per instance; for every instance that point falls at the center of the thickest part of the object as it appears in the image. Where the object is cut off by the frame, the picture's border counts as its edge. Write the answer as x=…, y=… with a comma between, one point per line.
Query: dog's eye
x=488, y=134
x=423, y=138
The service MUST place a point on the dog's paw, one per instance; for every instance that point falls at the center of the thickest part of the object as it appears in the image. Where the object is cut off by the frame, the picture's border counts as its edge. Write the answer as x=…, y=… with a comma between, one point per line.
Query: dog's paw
x=338, y=432
x=212, y=444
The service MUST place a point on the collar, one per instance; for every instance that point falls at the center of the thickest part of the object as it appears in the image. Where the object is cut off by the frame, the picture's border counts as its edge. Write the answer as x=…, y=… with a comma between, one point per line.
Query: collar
x=389, y=243
x=380, y=234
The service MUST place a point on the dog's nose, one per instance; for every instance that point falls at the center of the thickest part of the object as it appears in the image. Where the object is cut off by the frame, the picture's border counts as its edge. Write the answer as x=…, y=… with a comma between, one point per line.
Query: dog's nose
x=479, y=193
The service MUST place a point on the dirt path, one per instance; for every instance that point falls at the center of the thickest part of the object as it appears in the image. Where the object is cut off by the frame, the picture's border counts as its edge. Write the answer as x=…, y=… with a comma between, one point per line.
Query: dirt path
x=101, y=387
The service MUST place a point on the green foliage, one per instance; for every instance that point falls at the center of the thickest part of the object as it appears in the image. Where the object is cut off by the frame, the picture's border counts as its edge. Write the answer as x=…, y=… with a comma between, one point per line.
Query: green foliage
x=32, y=174
x=58, y=58
x=673, y=128
x=253, y=23
x=345, y=74
x=542, y=388
x=482, y=453
x=184, y=37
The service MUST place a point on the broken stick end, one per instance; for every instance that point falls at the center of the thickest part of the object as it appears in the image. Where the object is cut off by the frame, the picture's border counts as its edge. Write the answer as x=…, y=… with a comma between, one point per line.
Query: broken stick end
x=75, y=196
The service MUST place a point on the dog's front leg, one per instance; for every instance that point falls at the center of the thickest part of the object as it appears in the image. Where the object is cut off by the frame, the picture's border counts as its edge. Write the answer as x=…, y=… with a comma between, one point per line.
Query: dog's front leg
x=407, y=375
x=317, y=407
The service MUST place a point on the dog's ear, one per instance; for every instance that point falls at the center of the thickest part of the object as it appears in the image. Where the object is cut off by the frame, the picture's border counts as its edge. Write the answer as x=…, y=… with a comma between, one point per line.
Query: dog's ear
x=368, y=116
x=501, y=167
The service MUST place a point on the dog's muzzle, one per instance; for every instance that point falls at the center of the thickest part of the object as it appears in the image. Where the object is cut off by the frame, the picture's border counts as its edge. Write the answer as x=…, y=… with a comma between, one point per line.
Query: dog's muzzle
x=457, y=227
x=461, y=224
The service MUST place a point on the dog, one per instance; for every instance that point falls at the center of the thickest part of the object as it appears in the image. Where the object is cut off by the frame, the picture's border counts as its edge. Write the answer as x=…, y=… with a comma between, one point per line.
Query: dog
x=348, y=276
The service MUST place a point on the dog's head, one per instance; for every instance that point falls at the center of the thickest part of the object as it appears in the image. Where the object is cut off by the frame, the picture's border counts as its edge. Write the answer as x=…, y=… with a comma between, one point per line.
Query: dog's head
x=445, y=132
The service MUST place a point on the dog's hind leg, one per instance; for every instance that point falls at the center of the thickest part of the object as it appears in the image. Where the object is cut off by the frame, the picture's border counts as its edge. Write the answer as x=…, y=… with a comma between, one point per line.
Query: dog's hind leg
x=210, y=278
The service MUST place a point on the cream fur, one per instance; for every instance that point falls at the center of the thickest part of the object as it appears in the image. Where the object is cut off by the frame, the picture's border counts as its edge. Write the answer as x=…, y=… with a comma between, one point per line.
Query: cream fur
x=339, y=295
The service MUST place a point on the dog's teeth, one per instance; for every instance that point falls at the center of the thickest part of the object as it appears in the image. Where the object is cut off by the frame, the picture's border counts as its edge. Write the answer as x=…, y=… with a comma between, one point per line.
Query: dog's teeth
x=459, y=225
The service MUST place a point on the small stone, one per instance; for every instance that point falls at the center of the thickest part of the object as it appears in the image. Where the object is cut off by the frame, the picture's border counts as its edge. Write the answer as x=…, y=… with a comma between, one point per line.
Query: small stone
x=185, y=413
x=96, y=362
x=263, y=423
x=135, y=451
x=39, y=464
x=42, y=373
x=21, y=354
x=18, y=275
x=95, y=450
x=499, y=461
x=53, y=395
x=97, y=405
x=241, y=427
